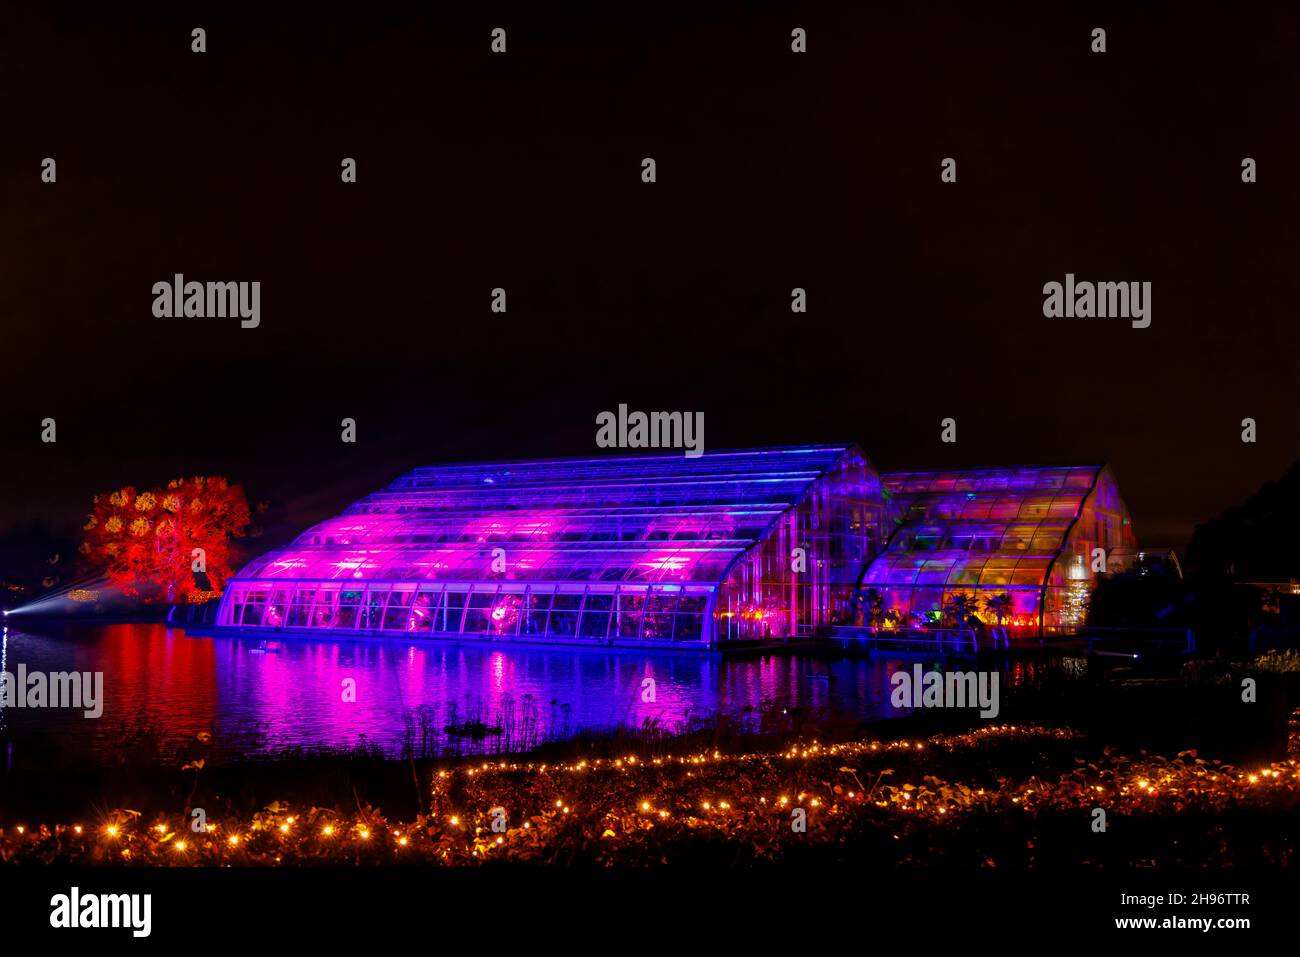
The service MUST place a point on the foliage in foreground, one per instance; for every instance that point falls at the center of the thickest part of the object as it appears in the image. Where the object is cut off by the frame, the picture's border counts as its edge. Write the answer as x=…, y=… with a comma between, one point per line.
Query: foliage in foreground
x=983, y=798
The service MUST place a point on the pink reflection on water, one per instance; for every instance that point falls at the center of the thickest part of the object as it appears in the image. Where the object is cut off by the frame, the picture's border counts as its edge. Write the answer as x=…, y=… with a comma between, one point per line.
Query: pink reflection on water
x=266, y=696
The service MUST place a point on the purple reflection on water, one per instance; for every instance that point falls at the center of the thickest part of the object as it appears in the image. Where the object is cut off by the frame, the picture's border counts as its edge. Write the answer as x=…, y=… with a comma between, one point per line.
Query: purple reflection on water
x=262, y=698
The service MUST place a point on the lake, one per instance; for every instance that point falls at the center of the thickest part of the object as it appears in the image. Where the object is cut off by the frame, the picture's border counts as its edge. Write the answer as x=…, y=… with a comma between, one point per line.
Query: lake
x=263, y=698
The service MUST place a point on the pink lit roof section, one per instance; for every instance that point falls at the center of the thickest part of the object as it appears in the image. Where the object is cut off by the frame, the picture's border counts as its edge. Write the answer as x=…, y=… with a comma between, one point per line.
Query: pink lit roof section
x=619, y=518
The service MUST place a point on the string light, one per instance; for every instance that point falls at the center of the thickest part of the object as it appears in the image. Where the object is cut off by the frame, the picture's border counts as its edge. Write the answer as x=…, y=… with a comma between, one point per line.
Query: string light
x=760, y=788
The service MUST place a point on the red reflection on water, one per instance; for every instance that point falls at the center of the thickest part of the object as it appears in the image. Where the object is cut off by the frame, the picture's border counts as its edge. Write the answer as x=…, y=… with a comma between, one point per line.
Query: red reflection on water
x=159, y=674
x=266, y=696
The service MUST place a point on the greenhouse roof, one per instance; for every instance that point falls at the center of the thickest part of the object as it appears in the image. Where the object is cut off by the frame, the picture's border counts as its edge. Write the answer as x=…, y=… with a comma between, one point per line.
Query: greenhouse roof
x=620, y=518
x=980, y=527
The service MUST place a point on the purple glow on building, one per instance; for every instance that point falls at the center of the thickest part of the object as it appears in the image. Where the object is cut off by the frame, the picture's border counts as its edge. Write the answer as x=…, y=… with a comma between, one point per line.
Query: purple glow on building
x=1029, y=533
x=669, y=551
x=618, y=550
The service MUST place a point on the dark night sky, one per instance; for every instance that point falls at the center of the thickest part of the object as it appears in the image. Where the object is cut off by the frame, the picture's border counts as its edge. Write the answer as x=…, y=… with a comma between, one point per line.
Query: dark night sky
x=522, y=171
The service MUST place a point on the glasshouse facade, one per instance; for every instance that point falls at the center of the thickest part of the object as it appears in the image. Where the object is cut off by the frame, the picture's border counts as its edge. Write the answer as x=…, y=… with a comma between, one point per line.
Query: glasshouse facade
x=1016, y=544
x=666, y=550
x=639, y=550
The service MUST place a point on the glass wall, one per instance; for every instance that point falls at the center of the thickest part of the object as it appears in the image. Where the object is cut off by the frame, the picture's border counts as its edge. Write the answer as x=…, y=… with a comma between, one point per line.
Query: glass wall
x=669, y=613
x=760, y=544
x=803, y=575
x=1028, y=534
x=613, y=549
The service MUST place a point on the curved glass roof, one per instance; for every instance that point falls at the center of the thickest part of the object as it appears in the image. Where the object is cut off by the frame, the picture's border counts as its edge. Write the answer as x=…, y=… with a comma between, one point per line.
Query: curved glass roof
x=619, y=518
x=979, y=527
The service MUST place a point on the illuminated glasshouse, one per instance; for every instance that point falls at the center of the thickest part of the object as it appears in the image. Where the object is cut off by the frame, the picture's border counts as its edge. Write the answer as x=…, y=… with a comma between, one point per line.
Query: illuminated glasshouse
x=669, y=550
x=1029, y=534
x=637, y=550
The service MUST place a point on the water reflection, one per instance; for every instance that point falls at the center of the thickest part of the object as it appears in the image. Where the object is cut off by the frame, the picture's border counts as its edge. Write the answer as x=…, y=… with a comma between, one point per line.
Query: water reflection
x=265, y=696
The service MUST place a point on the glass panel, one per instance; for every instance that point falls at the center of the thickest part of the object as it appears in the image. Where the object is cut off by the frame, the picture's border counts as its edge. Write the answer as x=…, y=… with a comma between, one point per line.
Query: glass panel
x=934, y=572
x=627, y=622
x=534, y=617
x=372, y=612
x=1065, y=507
x=564, y=615
x=453, y=609
x=1029, y=573
x=254, y=606
x=349, y=604
x=233, y=612
x=478, y=616
x=423, y=609
x=506, y=612
x=277, y=609
x=398, y=611
x=690, y=618
x=300, y=610
x=595, y=616
x=659, y=609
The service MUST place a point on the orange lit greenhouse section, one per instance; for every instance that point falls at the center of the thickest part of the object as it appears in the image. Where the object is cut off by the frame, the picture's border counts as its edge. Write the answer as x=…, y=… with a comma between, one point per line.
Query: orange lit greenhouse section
x=665, y=550
x=1019, y=547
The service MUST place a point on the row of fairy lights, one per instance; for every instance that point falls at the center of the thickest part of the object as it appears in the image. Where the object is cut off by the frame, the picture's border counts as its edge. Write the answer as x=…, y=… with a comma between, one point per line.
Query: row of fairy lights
x=364, y=832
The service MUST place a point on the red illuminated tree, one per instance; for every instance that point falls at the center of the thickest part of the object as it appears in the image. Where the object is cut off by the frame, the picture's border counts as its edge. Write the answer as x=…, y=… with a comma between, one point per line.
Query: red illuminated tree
x=155, y=544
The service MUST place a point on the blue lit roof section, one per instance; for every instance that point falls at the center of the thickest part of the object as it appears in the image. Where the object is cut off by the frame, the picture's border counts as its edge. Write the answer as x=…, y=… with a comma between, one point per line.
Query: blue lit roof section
x=635, y=518
x=622, y=550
